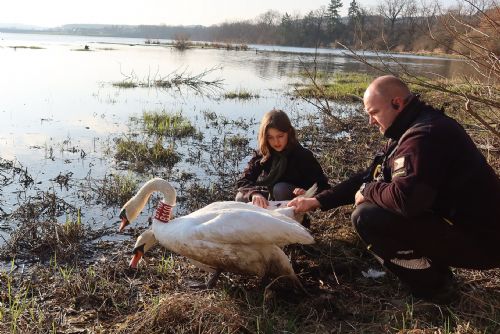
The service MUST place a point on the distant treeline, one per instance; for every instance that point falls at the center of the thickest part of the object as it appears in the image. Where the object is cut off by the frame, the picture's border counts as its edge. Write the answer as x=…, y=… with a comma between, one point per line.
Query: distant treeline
x=396, y=25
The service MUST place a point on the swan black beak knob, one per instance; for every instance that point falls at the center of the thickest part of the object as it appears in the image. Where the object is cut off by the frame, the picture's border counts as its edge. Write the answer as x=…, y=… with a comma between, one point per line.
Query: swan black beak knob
x=124, y=220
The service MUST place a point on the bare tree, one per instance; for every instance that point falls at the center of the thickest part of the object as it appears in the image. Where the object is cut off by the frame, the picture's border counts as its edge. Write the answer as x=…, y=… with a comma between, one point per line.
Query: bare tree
x=267, y=25
x=181, y=41
x=392, y=10
x=357, y=15
x=472, y=31
x=269, y=18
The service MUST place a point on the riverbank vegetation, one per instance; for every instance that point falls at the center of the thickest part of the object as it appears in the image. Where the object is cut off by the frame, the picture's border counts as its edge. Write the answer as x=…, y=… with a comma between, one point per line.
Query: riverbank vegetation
x=390, y=25
x=139, y=154
x=471, y=32
x=338, y=86
x=82, y=283
x=32, y=47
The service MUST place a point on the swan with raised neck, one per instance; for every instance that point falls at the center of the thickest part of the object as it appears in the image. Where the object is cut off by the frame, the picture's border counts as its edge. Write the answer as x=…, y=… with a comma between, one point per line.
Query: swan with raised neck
x=133, y=207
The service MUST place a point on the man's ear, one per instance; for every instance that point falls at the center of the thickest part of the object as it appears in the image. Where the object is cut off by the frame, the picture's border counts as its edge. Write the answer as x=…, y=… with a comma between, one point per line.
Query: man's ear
x=397, y=103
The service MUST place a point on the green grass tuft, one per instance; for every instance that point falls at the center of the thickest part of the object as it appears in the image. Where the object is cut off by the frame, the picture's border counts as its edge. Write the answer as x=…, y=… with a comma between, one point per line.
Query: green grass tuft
x=240, y=94
x=167, y=124
x=345, y=86
x=125, y=84
x=117, y=189
x=142, y=154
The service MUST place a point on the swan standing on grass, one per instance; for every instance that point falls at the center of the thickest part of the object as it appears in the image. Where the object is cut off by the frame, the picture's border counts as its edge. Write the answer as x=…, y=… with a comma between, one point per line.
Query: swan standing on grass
x=223, y=236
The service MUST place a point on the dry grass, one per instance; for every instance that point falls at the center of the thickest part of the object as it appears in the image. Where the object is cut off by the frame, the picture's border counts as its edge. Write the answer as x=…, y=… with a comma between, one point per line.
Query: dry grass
x=188, y=312
x=105, y=296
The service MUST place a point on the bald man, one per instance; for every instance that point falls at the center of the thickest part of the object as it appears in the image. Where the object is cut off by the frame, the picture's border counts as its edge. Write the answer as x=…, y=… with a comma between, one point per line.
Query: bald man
x=429, y=201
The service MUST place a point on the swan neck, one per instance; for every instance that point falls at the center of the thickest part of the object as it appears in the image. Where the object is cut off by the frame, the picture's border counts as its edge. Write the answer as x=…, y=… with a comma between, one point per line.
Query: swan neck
x=138, y=202
x=157, y=184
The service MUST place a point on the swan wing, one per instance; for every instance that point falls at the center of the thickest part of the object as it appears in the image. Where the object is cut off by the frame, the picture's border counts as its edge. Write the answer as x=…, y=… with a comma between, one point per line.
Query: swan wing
x=246, y=226
x=276, y=208
x=224, y=205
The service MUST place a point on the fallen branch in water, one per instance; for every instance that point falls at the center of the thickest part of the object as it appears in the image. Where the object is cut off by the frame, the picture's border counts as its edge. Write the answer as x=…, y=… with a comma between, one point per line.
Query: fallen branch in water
x=197, y=82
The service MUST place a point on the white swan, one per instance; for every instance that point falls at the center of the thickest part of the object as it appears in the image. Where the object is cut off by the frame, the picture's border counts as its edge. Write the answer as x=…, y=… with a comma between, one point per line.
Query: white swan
x=223, y=236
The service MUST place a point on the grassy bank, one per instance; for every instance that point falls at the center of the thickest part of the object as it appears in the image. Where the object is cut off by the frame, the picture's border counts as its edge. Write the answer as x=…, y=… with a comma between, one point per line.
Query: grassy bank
x=350, y=87
x=340, y=86
x=105, y=296
x=64, y=278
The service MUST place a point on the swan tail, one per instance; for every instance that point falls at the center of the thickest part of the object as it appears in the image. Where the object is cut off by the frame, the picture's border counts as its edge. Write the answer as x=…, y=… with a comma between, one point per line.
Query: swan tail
x=300, y=235
x=305, y=239
x=311, y=191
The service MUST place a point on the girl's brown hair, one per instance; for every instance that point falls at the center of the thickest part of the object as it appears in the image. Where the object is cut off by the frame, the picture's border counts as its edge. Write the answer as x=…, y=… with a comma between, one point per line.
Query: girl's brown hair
x=279, y=120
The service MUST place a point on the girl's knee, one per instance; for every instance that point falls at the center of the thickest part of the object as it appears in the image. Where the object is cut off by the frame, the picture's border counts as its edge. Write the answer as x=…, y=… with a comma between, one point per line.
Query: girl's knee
x=283, y=191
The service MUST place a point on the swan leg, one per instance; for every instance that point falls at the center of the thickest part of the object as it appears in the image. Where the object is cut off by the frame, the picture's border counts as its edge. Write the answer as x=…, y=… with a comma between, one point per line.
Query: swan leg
x=297, y=285
x=213, y=279
x=210, y=284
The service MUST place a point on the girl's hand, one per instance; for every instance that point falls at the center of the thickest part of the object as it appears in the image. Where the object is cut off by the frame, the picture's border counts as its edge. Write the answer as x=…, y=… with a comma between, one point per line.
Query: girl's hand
x=259, y=200
x=299, y=191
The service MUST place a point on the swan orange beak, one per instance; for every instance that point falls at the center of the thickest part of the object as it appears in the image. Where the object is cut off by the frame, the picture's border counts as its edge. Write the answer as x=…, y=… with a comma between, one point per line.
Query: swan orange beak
x=124, y=222
x=138, y=254
x=135, y=260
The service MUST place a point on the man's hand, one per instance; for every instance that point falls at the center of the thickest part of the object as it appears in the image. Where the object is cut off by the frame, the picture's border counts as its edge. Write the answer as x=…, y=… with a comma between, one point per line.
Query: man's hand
x=259, y=200
x=299, y=191
x=359, y=198
x=302, y=204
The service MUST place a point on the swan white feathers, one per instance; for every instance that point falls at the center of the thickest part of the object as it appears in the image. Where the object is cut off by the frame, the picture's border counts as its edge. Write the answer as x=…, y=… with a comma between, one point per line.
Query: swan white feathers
x=223, y=236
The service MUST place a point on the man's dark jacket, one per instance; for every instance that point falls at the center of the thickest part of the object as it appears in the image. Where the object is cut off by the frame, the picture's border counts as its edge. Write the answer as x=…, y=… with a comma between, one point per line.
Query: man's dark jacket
x=302, y=170
x=430, y=165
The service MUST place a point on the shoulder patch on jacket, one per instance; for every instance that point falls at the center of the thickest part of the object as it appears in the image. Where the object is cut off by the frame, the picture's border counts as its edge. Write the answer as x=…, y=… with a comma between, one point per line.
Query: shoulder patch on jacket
x=399, y=167
x=399, y=163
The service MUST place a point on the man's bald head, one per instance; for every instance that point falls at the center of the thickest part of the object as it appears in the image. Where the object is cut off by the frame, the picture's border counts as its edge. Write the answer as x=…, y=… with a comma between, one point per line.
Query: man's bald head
x=388, y=87
x=384, y=99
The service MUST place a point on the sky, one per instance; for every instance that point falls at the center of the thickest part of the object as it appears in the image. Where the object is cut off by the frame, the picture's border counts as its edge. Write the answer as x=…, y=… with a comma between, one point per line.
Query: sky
x=52, y=13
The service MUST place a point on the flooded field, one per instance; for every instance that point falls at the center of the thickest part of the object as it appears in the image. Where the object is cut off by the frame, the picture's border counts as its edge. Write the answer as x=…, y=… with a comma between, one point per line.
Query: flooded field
x=63, y=109
x=86, y=120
